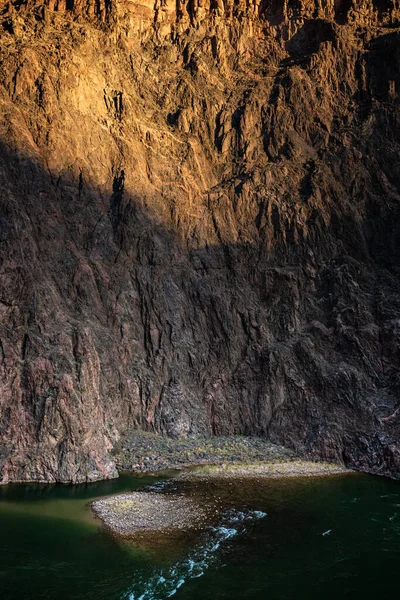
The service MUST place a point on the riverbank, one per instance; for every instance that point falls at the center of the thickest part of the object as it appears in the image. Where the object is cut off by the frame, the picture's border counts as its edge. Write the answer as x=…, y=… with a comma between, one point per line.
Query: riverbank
x=141, y=452
x=271, y=470
x=234, y=458
x=172, y=508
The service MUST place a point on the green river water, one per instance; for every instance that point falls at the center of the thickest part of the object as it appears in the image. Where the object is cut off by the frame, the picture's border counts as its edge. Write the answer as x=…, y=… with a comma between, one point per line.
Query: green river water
x=318, y=538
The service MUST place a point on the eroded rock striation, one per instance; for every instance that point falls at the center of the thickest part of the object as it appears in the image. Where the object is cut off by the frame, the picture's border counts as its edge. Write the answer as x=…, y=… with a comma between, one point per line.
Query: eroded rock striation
x=199, y=228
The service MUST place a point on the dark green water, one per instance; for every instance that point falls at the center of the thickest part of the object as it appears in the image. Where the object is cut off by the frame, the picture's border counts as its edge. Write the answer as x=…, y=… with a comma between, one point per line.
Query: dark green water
x=52, y=548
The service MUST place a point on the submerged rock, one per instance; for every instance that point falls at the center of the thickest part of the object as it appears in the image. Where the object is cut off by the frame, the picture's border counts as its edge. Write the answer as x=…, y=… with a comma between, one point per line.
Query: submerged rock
x=177, y=505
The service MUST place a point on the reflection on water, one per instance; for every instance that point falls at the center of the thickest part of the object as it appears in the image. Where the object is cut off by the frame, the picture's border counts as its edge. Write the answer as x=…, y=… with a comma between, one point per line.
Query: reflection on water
x=336, y=537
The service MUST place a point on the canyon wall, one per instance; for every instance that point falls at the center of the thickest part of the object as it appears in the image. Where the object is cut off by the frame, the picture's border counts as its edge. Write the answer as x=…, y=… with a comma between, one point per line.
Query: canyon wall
x=199, y=228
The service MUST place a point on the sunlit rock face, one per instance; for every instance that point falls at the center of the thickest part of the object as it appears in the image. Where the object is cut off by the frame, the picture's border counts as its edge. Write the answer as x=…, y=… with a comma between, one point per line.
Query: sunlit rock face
x=198, y=228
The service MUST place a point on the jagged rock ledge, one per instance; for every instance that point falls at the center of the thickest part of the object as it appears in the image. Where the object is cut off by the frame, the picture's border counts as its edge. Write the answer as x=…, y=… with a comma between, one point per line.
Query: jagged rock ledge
x=199, y=229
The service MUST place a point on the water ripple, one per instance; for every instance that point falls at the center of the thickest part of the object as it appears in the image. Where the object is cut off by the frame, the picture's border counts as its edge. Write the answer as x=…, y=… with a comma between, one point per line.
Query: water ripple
x=166, y=582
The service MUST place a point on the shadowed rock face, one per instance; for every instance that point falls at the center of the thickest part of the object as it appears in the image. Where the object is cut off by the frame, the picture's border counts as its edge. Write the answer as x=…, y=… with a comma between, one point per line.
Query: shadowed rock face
x=199, y=229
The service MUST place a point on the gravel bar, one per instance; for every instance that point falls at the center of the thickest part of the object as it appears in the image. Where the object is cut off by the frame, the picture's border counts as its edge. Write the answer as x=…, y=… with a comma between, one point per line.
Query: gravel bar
x=292, y=468
x=142, y=452
x=127, y=514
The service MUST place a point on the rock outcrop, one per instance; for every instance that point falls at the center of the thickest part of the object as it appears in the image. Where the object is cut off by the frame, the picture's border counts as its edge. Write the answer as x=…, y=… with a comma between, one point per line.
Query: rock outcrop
x=199, y=228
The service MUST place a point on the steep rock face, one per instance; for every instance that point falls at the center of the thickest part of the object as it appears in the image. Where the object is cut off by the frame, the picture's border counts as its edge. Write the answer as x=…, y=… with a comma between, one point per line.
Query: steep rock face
x=199, y=228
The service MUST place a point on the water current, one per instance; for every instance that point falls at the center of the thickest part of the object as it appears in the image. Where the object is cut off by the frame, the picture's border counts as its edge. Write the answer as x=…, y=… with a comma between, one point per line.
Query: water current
x=314, y=538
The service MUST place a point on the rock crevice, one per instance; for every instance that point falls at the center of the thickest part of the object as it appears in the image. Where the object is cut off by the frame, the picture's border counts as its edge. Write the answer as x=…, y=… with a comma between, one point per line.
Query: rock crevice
x=199, y=210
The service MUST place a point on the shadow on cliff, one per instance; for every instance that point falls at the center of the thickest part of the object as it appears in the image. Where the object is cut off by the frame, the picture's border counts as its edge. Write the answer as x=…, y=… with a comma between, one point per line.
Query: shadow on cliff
x=111, y=322
x=310, y=37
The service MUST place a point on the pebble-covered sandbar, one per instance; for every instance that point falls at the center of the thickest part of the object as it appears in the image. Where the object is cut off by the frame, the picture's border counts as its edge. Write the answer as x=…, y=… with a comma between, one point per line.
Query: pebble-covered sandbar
x=291, y=468
x=135, y=512
x=150, y=512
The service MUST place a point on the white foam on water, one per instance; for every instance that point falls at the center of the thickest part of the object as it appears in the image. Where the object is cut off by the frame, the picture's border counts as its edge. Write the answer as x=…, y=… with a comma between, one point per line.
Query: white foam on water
x=164, y=584
x=328, y=532
x=158, y=487
x=259, y=514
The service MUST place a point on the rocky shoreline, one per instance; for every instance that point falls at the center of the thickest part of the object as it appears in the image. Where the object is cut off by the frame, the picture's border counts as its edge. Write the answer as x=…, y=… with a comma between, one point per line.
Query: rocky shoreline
x=272, y=470
x=171, y=510
x=142, y=452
